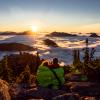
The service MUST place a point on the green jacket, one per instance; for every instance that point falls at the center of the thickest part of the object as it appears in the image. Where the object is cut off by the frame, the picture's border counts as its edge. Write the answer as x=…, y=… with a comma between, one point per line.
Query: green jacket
x=45, y=77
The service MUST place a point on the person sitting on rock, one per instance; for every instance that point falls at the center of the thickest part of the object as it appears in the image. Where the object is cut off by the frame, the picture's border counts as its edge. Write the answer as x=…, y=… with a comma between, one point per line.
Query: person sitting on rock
x=50, y=75
x=54, y=64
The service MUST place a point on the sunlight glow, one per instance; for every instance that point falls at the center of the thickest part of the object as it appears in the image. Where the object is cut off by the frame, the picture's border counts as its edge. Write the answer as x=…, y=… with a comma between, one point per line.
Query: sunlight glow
x=34, y=28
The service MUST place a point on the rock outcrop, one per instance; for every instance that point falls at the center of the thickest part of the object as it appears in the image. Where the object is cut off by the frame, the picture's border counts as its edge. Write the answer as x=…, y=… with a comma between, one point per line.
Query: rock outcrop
x=4, y=90
x=50, y=43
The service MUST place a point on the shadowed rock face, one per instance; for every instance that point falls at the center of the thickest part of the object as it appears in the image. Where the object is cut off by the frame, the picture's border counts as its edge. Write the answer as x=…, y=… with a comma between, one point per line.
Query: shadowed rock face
x=4, y=90
x=50, y=43
x=15, y=47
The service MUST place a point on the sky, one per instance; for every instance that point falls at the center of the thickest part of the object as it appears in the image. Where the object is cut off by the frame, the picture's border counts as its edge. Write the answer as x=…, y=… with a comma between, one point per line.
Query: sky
x=50, y=15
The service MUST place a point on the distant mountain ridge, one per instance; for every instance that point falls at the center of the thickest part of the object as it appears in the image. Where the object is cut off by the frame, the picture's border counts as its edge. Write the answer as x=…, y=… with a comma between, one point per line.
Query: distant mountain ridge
x=61, y=34
x=64, y=34
x=94, y=35
x=17, y=33
x=53, y=34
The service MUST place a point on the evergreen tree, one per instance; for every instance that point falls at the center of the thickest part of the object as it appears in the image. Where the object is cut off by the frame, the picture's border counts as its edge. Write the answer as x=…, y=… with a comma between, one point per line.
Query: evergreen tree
x=24, y=77
x=27, y=75
x=87, y=58
x=92, y=54
x=7, y=72
x=1, y=70
x=86, y=53
x=76, y=58
x=37, y=61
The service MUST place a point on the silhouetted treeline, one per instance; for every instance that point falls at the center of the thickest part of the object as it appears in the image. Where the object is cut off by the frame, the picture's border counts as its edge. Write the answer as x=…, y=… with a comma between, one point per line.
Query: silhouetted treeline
x=15, y=65
x=90, y=66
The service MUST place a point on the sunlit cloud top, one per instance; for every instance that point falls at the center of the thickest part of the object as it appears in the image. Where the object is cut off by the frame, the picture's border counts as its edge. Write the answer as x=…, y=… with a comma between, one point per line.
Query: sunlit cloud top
x=50, y=15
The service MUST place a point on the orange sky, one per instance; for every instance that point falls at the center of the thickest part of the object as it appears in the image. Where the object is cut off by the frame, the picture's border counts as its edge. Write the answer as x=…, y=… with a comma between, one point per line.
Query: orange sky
x=42, y=28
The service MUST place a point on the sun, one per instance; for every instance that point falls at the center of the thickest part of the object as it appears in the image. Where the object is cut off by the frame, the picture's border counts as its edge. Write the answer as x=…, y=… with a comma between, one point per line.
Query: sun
x=34, y=28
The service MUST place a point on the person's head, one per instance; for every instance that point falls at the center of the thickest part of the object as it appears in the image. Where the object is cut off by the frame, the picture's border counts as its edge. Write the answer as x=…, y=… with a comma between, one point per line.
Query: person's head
x=45, y=64
x=55, y=61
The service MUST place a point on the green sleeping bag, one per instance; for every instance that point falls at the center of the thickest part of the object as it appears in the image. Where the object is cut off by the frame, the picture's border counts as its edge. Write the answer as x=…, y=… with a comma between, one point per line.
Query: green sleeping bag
x=46, y=77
